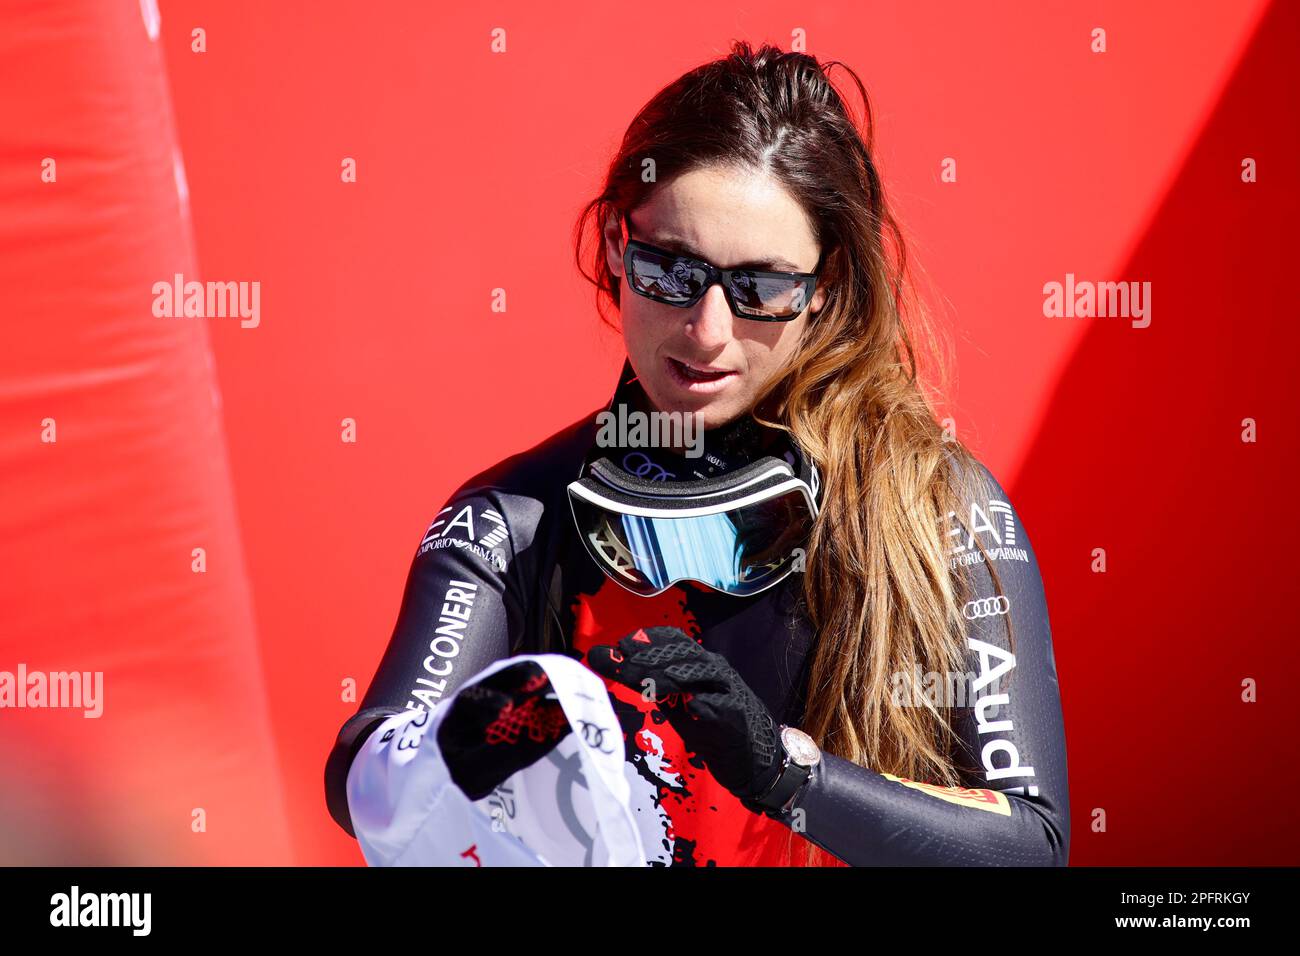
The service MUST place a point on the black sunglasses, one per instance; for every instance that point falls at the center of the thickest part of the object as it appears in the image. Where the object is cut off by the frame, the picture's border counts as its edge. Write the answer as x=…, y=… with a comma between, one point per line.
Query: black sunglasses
x=681, y=280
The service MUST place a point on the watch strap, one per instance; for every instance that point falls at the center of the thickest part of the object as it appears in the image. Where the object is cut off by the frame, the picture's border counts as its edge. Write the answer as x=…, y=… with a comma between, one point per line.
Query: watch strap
x=784, y=788
x=793, y=777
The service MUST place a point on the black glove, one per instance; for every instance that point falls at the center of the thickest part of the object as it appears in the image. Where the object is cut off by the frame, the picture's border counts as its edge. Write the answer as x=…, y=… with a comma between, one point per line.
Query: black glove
x=499, y=726
x=705, y=701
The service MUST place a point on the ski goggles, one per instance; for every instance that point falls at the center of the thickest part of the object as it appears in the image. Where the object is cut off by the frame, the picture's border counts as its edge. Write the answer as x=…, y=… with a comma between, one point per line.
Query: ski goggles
x=681, y=280
x=740, y=533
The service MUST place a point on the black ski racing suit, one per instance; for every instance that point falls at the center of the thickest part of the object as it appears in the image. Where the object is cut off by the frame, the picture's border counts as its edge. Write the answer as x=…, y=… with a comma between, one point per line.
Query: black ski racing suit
x=500, y=572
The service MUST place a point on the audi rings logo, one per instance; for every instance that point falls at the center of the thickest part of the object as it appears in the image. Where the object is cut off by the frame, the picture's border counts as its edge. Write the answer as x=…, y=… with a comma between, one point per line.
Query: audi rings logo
x=986, y=607
x=638, y=463
x=593, y=735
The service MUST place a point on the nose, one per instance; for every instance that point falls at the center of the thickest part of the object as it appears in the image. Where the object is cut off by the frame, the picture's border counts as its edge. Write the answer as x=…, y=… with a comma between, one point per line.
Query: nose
x=709, y=324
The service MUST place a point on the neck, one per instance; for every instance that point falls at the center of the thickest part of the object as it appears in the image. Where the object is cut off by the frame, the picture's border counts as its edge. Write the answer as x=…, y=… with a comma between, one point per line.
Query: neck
x=724, y=447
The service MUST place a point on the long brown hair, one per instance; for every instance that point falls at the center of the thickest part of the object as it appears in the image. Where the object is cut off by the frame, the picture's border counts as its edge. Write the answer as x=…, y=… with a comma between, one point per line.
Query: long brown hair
x=879, y=588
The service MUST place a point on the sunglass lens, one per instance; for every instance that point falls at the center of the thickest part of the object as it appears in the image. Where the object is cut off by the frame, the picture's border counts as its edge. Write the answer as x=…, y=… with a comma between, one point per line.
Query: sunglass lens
x=667, y=278
x=768, y=297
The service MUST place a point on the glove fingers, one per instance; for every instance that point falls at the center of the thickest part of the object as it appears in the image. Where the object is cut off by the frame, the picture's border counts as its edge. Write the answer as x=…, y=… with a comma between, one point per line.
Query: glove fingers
x=670, y=652
x=699, y=677
x=607, y=661
x=479, y=706
x=716, y=714
x=472, y=710
x=481, y=759
x=631, y=670
x=524, y=679
x=695, y=710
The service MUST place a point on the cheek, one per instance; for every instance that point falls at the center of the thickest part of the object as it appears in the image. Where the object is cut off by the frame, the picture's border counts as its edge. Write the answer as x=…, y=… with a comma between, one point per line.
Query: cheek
x=644, y=323
x=638, y=329
x=778, y=340
x=771, y=347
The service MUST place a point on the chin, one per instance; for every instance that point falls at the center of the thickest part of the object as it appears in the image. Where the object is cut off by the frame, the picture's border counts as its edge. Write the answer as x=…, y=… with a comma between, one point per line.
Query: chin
x=664, y=397
x=713, y=410
x=717, y=414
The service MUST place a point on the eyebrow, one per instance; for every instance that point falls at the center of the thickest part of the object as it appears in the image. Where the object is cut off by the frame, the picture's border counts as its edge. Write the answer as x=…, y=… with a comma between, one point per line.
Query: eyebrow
x=675, y=244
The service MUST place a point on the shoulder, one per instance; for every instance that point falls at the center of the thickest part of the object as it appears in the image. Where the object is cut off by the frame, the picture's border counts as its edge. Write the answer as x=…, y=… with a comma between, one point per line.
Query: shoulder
x=988, y=539
x=539, y=470
x=498, y=513
x=986, y=532
x=973, y=480
x=985, y=512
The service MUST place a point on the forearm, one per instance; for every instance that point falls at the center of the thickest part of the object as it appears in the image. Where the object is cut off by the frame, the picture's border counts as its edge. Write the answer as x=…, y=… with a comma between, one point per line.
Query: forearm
x=866, y=819
x=459, y=613
x=1009, y=725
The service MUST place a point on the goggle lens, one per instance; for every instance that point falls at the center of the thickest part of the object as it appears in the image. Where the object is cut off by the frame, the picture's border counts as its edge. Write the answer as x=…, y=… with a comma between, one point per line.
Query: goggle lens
x=742, y=551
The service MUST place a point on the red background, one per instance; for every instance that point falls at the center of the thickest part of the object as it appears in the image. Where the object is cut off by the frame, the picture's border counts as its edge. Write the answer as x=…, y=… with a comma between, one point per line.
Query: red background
x=376, y=306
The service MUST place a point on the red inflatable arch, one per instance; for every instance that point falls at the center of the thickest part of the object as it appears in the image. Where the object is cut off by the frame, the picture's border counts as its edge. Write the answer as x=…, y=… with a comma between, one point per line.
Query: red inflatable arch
x=113, y=472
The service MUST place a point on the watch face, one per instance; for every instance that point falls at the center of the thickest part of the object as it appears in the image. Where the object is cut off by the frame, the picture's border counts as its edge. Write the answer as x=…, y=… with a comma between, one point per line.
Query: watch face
x=800, y=747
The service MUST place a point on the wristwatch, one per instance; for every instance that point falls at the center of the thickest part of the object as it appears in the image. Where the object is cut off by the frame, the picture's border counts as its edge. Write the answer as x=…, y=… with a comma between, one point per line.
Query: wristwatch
x=801, y=755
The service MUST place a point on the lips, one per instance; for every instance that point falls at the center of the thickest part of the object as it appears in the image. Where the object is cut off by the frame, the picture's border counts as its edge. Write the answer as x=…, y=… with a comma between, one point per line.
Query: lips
x=701, y=372
x=699, y=378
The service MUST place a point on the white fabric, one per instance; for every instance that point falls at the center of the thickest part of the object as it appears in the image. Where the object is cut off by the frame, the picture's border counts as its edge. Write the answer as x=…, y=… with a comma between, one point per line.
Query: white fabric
x=570, y=808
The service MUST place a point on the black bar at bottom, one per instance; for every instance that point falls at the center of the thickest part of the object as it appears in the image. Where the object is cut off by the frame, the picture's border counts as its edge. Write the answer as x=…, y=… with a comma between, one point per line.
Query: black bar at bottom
x=588, y=910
